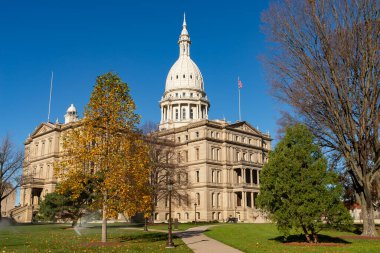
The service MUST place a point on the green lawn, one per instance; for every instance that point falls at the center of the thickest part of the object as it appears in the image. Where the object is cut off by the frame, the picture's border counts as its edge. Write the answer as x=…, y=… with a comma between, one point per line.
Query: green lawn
x=61, y=238
x=265, y=238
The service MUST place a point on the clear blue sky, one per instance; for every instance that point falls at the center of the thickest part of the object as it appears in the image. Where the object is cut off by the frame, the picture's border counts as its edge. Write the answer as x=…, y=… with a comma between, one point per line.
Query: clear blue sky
x=80, y=40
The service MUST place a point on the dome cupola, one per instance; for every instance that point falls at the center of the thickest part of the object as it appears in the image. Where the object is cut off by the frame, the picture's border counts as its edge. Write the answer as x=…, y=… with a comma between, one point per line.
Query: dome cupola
x=184, y=100
x=71, y=114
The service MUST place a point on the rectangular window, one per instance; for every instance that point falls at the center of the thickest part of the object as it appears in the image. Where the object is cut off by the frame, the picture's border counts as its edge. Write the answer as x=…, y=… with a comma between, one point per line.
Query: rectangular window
x=176, y=114
x=43, y=148
x=197, y=176
x=254, y=176
x=50, y=144
x=197, y=153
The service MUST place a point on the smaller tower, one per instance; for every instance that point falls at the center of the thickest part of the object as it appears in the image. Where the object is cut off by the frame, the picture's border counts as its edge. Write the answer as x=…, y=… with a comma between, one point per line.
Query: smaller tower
x=71, y=115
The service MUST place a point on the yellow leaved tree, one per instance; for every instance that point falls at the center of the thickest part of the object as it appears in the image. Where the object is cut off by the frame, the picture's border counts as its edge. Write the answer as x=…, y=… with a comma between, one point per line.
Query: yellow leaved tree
x=106, y=154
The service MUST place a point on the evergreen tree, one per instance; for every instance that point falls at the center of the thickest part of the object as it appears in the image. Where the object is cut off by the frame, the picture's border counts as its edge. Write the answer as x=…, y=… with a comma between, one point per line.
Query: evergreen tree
x=297, y=189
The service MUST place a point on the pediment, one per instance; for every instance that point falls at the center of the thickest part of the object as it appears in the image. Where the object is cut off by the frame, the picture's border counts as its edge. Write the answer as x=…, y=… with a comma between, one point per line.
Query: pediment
x=244, y=126
x=42, y=128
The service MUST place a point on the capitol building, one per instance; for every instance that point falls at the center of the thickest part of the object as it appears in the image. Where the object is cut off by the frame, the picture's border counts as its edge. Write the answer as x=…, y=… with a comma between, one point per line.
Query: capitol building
x=223, y=159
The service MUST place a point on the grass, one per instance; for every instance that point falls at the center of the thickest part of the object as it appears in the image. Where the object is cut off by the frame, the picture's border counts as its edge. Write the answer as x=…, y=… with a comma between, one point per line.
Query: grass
x=61, y=238
x=265, y=238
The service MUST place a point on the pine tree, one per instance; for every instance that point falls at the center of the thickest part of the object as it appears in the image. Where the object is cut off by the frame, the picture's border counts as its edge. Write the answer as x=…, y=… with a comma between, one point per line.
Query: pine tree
x=297, y=189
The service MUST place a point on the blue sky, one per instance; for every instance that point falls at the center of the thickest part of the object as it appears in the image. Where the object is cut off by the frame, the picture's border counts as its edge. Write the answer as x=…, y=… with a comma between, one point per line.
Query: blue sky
x=80, y=40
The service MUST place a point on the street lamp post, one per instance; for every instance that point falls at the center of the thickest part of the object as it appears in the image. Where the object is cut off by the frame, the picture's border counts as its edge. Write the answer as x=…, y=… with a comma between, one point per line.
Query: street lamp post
x=170, y=243
x=195, y=213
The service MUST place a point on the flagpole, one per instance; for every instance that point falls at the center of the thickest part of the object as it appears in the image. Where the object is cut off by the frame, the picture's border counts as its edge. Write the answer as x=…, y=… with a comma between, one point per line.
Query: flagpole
x=51, y=89
x=239, y=101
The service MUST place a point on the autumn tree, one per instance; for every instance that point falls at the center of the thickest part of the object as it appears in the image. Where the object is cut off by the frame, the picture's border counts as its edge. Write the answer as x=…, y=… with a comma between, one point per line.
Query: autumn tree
x=106, y=150
x=297, y=189
x=11, y=161
x=325, y=63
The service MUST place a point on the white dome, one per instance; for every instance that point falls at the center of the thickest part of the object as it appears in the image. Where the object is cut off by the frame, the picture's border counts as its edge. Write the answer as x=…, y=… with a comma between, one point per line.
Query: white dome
x=184, y=74
x=72, y=109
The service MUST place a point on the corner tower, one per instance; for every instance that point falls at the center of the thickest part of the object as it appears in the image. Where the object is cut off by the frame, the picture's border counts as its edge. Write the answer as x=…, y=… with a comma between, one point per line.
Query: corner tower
x=184, y=100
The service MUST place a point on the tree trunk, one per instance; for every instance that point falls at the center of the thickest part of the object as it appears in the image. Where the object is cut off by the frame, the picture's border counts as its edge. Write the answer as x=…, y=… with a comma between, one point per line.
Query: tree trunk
x=104, y=220
x=315, y=235
x=145, y=224
x=306, y=234
x=369, y=228
x=74, y=223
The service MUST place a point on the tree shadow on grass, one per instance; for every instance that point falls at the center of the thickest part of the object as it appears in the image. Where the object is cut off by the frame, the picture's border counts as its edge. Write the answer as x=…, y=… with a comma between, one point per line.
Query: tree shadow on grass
x=151, y=237
x=302, y=239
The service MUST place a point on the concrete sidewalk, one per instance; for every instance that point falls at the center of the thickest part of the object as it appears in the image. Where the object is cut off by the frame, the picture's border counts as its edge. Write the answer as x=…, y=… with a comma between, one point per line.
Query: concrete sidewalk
x=200, y=243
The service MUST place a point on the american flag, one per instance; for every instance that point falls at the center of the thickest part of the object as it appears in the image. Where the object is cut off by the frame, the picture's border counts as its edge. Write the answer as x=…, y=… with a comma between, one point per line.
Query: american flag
x=240, y=84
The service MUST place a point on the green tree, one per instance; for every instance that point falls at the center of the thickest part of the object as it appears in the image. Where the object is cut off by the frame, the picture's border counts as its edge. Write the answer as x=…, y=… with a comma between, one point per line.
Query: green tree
x=297, y=190
x=106, y=150
x=57, y=206
x=325, y=64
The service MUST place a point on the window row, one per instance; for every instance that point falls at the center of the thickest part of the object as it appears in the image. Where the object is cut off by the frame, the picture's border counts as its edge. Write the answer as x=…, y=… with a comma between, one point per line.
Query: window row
x=40, y=148
x=187, y=137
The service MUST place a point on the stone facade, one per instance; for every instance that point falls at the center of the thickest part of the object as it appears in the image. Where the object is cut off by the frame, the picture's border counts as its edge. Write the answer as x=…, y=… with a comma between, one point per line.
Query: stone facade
x=42, y=149
x=8, y=203
x=223, y=162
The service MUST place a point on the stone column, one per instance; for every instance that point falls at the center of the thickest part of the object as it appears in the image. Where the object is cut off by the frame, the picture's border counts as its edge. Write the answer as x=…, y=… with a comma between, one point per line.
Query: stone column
x=243, y=176
x=251, y=175
x=252, y=203
x=258, y=177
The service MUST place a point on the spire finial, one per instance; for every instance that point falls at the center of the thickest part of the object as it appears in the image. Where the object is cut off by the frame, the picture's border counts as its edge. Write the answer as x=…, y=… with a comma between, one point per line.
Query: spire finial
x=184, y=19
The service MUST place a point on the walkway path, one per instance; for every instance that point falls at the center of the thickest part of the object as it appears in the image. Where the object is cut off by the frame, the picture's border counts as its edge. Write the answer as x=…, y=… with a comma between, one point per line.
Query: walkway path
x=199, y=243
